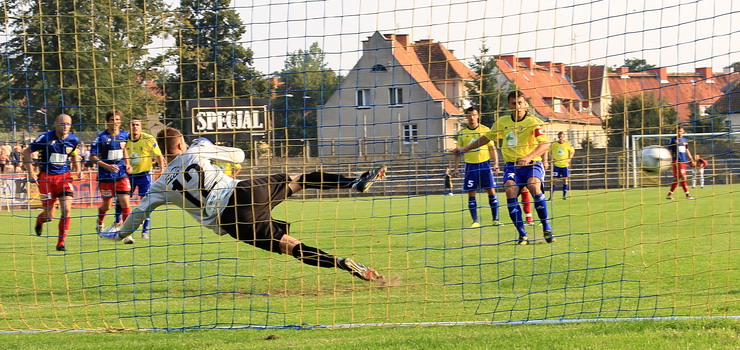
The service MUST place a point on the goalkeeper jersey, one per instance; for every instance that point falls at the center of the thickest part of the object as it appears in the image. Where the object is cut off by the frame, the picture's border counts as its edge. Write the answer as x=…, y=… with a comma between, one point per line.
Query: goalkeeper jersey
x=193, y=183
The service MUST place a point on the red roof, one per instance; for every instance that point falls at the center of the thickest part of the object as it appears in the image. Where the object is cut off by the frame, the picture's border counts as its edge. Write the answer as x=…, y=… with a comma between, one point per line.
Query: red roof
x=588, y=80
x=437, y=59
x=729, y=103
x=543, y=83
x=678, y=90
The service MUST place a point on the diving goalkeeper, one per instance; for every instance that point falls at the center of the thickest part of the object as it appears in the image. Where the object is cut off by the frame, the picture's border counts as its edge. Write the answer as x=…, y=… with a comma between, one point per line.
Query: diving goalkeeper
x=241, y=209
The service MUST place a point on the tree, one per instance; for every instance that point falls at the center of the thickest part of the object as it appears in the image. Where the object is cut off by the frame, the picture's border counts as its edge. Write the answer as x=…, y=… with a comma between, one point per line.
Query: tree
x=485, y=92
x=703, y=122
x=637, y=64
x=735, y=67
x=306, y=83
x=79, y=58
x=639, y=114
x=209, y=59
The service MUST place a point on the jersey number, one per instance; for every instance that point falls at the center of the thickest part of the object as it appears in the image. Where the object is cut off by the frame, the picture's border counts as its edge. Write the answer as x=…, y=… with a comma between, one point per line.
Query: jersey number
x=189, y=196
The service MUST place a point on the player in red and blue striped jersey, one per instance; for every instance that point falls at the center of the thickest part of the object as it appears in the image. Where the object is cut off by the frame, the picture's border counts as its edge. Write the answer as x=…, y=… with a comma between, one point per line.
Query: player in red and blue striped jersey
x=109, y=152
x=56, y=148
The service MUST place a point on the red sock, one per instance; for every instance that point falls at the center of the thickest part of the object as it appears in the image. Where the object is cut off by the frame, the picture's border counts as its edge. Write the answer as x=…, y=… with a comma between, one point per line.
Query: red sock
x=101, y=216
x=63, y=229
x=685, y=187
x=673, y=186
x=527, y=201
x=125, y=212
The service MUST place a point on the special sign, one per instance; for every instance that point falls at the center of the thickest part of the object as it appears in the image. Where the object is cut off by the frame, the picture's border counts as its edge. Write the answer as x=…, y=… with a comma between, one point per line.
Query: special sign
x=217, y=119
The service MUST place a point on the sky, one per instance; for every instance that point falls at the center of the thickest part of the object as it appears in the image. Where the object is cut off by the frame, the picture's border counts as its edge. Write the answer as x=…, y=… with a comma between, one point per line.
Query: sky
x=678, y=34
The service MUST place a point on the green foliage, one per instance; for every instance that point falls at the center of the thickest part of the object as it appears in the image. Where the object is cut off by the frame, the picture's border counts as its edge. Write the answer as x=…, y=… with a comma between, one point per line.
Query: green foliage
x=705, y=123
x=80, y=58
x=735, y=66
x=637, y=115
x=306, y=83
x=637, y=64
x=211, y=62
x=485, y=93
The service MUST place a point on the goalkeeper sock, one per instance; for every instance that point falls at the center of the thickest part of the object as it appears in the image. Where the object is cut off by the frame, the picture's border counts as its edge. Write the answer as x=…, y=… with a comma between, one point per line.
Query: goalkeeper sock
x=540, y=204
x=325, y=181
x=473, y=207
x=515, y=213
x=493, y=202
x=314, y=256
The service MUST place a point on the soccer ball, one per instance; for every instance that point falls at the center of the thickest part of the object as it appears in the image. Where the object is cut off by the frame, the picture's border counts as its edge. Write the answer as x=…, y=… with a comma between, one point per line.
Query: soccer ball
x=655, y=160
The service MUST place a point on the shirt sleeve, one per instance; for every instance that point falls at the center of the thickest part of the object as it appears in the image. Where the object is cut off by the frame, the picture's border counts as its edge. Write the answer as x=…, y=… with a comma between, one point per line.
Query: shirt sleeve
x=38, y=144
x=218, y=153
x=155, y=148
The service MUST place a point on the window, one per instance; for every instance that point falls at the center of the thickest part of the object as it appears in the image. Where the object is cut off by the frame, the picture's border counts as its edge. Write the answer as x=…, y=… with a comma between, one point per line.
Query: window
x=363, y=98
x=379, y=68
x=396, y=97
x=703, y=110
x=410, y=133
x=556, y=103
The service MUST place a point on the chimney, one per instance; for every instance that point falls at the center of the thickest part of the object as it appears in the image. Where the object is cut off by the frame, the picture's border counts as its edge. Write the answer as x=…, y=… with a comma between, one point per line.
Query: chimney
x=705, y=72
x=510, y=59
x=623, y=70
x=527, y=61
x=547, y=65
x=662, y=73
x=402, y=39
x=561, y=68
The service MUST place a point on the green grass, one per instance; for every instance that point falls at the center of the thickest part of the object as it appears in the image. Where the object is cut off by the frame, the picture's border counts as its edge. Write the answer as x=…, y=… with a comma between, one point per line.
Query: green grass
x=620, y=254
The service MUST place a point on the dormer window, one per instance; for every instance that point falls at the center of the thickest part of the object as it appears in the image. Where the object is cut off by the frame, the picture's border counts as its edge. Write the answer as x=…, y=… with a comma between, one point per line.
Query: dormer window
x=379, y=68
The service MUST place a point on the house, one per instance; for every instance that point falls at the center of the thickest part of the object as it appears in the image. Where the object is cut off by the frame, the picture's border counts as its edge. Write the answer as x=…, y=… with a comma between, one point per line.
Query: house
x=590, y=82
x=691, y=94
x=401, y=97
x=553, y=98
x=728, y=105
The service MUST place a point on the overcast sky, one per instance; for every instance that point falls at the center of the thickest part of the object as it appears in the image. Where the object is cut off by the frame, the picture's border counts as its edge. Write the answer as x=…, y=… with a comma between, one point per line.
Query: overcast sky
x=678, y=34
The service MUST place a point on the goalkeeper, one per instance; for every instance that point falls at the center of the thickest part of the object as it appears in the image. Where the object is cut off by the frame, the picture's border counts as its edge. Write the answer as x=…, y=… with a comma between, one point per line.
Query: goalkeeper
x=241, y=209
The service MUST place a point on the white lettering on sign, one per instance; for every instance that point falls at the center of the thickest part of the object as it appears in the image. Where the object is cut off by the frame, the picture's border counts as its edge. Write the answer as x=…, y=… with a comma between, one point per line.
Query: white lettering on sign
x=212, y=121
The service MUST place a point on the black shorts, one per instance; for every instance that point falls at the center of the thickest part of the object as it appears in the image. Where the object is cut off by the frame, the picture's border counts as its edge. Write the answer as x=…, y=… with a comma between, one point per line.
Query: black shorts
x=247, y=217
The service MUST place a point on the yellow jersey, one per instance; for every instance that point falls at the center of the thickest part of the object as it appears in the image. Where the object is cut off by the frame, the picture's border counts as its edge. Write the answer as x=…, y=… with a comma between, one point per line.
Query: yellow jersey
x=140, y=152
x=467, y=136
x=561, y=152
x=228, y=168
x=519, y=138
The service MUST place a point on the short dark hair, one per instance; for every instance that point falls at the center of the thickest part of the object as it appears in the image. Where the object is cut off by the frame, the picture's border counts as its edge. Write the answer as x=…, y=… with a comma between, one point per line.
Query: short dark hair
x=514, y=94
x=112, y=113
x=167, y=139
x=135, y=118
x=561, y=133
x=471, y=109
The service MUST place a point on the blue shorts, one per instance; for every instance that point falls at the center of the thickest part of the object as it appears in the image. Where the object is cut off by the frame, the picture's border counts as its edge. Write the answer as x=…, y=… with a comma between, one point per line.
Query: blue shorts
x=478, y=176
x=558, y=172
x=142, y=182
x=521, y=174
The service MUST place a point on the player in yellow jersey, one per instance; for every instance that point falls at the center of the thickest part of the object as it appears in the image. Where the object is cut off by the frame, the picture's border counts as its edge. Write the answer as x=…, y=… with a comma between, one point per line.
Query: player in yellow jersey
x=141, y=147
x=478, y=170
x=524, y=144
x=562, y=153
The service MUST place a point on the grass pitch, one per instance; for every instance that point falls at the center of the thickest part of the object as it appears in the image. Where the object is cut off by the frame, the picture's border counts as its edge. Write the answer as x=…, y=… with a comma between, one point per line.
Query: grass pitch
x=620, y=254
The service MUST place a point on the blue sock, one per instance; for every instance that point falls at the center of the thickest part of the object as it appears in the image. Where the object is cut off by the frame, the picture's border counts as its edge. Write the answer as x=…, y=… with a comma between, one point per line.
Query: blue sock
x=473, y=206
x=493, y=202
x=565, y=190
x=118, y=212
x=515, y=213
x=145, y=226
x=540, y=204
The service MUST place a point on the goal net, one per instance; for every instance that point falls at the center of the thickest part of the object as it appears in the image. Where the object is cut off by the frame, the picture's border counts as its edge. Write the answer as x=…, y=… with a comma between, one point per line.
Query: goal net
x=316, y=89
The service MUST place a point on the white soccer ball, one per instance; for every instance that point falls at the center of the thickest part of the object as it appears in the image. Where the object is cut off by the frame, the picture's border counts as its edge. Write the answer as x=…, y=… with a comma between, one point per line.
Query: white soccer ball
x=655, y=160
